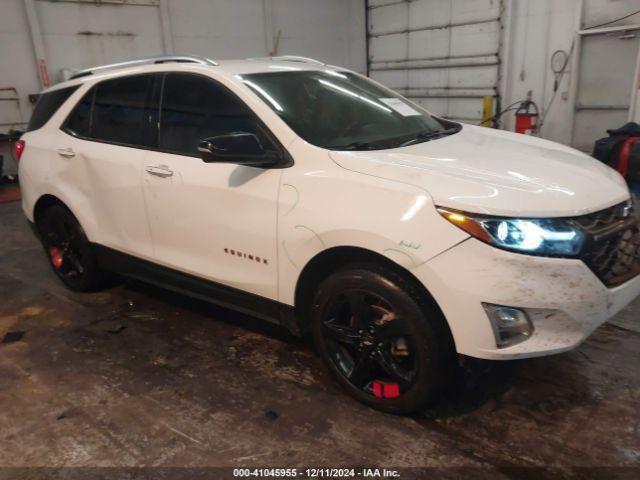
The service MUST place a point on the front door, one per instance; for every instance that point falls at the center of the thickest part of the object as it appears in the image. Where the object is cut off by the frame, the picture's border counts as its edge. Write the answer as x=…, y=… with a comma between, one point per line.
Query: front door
x=213, y=220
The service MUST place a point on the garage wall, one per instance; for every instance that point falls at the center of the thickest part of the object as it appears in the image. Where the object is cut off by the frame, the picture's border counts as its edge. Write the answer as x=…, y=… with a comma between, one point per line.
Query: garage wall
x=541, y=27
x=84, y=33
x=447, y=54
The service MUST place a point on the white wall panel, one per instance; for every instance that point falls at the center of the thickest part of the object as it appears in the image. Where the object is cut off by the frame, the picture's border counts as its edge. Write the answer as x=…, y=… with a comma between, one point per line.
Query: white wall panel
x=85, y=33
x=389, y=18
x=480, y=39
x=428, y=43
x=478, y=77
x=390, y=47
x=428, y=13
x=474, y=10
x=218, y=29
x=81, y=35
x=18, y=64
x=327, y=30
x=602, y=11
x=395, y=79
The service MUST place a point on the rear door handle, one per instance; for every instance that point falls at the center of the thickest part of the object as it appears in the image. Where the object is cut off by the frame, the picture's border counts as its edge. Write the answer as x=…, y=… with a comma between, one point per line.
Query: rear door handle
x=159, y=170
x=66, y=152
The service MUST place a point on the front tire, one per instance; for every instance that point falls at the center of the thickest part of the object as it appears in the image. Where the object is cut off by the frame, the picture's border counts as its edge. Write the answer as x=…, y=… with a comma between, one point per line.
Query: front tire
x=68, y=249
x=382, y=338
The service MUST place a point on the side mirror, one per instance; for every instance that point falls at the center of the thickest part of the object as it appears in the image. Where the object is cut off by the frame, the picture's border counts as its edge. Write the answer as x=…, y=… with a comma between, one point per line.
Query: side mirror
x=239, y=147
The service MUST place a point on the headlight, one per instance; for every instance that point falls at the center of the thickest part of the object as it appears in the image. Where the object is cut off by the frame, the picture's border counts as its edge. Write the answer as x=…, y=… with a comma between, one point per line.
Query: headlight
x=536, y=236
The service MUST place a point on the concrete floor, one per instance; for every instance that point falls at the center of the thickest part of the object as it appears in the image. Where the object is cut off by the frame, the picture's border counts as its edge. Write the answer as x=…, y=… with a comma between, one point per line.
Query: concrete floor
x=138, y=377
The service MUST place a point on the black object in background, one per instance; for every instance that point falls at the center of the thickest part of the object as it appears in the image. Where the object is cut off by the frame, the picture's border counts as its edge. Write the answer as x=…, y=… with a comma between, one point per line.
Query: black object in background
x=608, y=149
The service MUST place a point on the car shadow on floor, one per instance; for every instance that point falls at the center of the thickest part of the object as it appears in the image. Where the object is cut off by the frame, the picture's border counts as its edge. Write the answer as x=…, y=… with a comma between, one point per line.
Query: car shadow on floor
x=475, y=384
x=206, y=309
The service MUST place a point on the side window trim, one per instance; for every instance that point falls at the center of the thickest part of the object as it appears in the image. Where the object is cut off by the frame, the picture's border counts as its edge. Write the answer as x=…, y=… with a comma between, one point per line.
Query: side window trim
x=151, y=131
x=160, y=104
x=94, y=89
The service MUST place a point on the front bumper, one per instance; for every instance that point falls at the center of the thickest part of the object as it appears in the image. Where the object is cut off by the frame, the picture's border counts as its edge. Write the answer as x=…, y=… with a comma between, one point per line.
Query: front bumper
x=471, y=273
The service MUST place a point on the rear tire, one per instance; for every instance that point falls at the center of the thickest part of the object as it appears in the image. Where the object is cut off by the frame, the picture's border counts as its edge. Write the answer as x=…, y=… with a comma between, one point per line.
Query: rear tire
x=68, y=250
x=383, y=339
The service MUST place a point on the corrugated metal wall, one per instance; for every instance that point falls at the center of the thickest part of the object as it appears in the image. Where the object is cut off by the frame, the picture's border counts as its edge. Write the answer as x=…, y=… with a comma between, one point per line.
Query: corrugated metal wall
x=444, y=54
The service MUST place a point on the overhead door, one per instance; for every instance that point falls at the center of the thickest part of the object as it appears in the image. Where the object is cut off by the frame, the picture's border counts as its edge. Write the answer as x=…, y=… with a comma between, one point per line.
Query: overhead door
x=443, y=54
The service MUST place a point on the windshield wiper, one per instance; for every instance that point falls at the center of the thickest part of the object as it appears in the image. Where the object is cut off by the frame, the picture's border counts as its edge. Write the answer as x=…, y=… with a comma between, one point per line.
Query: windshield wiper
x=357, y=146
x=426, y=136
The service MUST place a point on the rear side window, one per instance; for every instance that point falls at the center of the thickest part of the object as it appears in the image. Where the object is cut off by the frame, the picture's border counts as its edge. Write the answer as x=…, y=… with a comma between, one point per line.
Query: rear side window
x=48, y=104
x=115, y=111
x=194, y=108
x=119, y=110
x=79, y=122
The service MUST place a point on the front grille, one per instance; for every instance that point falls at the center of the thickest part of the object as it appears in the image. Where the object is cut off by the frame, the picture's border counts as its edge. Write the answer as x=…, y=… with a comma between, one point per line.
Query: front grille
x=612, y=250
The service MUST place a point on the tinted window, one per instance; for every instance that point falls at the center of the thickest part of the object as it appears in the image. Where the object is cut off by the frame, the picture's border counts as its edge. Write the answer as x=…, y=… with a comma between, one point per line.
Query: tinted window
x=78, y=122
x=120, y=110
x=195, y=108
x=341, y=110
x=48, y=104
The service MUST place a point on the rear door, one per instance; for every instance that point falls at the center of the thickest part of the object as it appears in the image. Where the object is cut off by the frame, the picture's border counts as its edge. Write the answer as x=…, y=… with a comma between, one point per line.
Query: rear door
x=102, y=155
x=213, y=220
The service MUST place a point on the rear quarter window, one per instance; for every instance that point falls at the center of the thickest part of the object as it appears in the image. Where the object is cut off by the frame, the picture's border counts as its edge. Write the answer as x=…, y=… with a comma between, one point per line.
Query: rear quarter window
x=48, y=104
x=116, y=111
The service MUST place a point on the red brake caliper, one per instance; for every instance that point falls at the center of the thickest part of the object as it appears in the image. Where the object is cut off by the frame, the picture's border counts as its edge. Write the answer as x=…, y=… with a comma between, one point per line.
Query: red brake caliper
x=57, y=256
x=385, y=390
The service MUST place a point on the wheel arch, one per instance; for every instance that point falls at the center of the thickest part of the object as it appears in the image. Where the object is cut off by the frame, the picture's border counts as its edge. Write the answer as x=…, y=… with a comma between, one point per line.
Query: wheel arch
x=48, y=200
x=44, y=202
x=327, y=261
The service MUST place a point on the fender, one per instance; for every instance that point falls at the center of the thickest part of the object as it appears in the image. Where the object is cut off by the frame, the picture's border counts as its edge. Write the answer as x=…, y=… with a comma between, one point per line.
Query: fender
x=398, y=227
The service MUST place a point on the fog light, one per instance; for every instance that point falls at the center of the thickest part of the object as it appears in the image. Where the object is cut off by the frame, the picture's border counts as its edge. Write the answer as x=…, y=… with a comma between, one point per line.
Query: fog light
x=510, y=325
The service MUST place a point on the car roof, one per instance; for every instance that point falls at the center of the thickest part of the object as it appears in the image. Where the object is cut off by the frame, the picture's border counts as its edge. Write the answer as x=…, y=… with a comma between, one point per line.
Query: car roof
x=224, y=67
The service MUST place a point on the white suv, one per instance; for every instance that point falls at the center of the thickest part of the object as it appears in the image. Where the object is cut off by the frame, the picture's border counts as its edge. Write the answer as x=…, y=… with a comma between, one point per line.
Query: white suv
x=308, y=195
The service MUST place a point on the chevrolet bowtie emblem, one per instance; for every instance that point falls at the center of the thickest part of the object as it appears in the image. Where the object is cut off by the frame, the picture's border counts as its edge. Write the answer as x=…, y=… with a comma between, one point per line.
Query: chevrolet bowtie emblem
x=625, y=210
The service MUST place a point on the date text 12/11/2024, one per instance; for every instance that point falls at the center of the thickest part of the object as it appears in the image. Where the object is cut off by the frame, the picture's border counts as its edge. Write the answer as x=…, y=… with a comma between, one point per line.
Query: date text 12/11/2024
x=316, y=473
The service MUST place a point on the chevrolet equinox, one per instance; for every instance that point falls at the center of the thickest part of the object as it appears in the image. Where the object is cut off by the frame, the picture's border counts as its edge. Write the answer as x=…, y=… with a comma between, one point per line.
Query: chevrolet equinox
x=311, y=196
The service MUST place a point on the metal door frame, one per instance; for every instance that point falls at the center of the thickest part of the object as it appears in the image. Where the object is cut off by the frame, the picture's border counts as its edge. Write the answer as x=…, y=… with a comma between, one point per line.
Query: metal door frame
x=575, y=67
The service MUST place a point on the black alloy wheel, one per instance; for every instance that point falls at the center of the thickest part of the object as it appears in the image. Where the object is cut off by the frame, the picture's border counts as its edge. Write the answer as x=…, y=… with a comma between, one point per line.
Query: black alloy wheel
x=386, y=346
x=69, y=251
x=371, y=346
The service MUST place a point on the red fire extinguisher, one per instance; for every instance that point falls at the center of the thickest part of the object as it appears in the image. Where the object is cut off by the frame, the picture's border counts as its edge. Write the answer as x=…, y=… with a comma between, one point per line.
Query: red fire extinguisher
x=527, y=117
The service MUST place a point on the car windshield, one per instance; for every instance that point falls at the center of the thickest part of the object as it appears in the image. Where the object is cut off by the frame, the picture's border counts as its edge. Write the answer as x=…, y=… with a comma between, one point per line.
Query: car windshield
x=344, y=111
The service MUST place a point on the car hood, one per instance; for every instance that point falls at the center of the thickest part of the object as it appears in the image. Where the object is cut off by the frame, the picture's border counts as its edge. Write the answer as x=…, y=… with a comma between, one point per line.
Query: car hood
x=482, y=170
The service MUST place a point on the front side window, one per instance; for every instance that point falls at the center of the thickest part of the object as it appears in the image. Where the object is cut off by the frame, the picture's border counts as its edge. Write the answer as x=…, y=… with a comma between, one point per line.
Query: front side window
x=194, y=108
x=115, y=111
x=48, y=104
x=344, y=111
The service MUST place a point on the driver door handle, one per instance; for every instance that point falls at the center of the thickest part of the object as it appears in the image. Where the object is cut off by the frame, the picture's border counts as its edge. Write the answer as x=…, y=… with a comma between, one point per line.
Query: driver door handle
x=66, y=152
x=159, y=170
